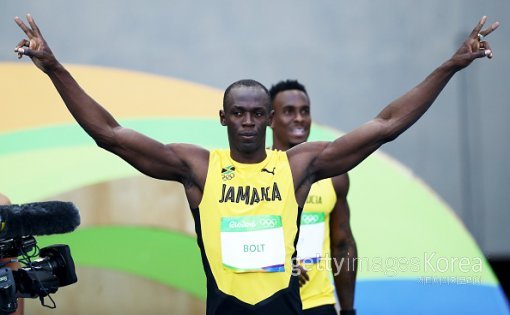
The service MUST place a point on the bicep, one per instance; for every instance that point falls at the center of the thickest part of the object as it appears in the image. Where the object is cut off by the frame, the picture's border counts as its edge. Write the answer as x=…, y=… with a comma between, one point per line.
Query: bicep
x=349, y=150
x=151, y=157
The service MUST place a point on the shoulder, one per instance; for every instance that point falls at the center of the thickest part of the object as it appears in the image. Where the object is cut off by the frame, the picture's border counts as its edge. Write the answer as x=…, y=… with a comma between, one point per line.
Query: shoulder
x=189, y=150
x=192, y=163
x=307, y=149
x=189, y=154
x=276, y=154
x=302, y=156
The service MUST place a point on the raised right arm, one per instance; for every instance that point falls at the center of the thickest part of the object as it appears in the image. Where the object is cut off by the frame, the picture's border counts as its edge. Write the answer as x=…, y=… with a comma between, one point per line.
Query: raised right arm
x=180, y=162
x=151, y=157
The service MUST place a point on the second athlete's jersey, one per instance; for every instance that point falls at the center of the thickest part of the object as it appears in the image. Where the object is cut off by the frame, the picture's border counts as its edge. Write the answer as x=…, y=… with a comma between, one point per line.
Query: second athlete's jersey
x=313, y=247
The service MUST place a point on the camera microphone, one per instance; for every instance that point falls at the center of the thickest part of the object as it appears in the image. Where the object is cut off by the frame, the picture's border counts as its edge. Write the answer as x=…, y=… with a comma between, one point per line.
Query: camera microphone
x=38, y=218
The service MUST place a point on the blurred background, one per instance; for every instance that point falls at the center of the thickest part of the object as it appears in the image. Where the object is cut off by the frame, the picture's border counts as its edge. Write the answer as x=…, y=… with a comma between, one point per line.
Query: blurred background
x=353, y=57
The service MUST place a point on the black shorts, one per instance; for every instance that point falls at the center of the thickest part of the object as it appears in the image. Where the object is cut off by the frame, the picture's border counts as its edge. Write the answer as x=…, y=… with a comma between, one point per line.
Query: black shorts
x=321, y=310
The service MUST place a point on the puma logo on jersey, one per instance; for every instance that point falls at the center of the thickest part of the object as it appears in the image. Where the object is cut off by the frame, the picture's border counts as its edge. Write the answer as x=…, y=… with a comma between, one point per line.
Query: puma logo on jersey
x=268, y=171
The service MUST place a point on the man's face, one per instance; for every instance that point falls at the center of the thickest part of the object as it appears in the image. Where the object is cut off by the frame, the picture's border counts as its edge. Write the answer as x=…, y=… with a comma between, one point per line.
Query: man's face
x=246, y=117
x=291, y=120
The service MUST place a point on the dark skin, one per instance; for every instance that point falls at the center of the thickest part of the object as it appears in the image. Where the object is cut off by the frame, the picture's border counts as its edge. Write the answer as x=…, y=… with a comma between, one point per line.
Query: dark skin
x=291, y=126
x=246, y=120
x=292, y=120
x=343, y=245
x=186, y=163
x=309, y=161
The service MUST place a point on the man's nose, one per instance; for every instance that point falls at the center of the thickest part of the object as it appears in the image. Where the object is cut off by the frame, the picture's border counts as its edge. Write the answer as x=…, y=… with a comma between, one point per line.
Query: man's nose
x=248, y=120
x=298, y=117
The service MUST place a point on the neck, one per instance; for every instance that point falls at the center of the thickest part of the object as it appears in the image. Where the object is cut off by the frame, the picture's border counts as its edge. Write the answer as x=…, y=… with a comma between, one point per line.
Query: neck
x=277, y=145
x=248, y=158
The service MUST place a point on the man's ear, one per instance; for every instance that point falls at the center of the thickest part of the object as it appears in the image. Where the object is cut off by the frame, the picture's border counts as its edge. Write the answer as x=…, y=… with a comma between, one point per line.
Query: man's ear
x=222, y=118
x=271, y=117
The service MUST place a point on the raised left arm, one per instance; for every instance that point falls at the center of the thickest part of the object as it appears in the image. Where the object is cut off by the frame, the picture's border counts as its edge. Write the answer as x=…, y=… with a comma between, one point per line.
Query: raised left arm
x=340, y=156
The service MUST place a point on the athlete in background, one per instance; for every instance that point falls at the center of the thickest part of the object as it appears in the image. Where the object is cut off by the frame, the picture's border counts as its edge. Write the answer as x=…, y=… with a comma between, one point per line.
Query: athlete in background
x=326, y=243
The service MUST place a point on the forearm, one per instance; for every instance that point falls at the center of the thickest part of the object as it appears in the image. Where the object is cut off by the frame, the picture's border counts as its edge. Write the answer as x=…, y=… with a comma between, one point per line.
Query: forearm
x=349, y=150
x=407, y=109
x=344, y=271
x=91, y=116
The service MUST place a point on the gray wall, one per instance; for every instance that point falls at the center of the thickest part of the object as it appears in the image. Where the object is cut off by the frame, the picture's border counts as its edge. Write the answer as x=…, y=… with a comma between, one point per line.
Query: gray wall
x=354, y=57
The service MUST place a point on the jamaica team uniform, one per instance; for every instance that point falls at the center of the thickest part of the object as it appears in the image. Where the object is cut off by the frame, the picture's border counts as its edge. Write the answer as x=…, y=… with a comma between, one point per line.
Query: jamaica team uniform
x=246, y=228
x=313, y=249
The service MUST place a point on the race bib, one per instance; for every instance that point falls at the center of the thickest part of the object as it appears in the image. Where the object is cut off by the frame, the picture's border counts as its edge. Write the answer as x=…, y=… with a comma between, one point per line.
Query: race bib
x=253, y=243
x=311, y=237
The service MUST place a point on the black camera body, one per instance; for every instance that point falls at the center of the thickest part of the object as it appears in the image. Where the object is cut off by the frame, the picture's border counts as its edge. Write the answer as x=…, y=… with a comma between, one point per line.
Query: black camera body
x=54, y=268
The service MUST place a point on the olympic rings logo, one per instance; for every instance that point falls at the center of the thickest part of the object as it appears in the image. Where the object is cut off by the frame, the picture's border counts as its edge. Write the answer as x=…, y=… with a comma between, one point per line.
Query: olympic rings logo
x=310, y=219
x=228, y=176
x=268, y=222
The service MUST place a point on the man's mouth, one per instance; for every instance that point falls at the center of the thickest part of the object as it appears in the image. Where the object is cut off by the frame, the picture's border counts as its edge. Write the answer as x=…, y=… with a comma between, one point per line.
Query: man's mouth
x=248, y=135
x=298, y=131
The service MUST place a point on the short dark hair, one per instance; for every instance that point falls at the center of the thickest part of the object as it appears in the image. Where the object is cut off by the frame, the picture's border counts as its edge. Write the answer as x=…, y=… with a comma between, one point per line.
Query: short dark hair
x=245, y=83
x=285, y=86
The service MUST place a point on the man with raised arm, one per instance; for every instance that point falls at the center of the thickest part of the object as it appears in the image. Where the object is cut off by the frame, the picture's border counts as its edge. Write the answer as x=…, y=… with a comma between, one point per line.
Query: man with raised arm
x=246, y=200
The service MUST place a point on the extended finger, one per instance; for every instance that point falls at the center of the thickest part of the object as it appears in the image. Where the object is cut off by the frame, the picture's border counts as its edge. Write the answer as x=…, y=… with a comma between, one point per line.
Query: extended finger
x=34, y=26
x=478, y=27
x=490, y=29
x=24, y=27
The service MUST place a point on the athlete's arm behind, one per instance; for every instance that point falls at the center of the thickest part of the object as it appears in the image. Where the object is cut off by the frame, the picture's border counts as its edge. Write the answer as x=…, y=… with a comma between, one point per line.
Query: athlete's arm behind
x=344, y=251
